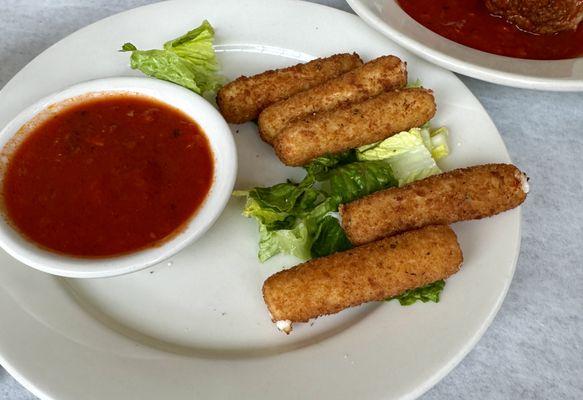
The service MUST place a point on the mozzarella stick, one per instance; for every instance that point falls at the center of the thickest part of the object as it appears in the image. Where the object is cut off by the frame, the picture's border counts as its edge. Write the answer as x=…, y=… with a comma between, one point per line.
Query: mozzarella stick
x=244, y=98
x=377, y=76
x=355, y=125
x=458, y=195
x=372, y=272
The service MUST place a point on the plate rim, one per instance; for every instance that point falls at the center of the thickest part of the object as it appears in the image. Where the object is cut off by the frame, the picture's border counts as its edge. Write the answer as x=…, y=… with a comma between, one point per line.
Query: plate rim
x=466, y=68
x=441, y=372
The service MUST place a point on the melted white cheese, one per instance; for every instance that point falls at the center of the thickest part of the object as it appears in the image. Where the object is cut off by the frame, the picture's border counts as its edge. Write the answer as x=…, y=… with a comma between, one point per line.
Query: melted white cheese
x=284, y=325
x=523, y=182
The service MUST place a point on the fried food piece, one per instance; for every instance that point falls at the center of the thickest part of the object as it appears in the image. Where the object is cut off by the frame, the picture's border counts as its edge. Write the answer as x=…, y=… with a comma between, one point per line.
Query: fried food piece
x=458, y=195
x=244, y=98
x=377, y=76
x=372, y=272
x=539, y=16
x=354, y=125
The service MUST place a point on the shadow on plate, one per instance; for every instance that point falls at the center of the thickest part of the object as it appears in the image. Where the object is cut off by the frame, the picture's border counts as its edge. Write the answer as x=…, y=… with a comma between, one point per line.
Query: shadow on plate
x=345, y=321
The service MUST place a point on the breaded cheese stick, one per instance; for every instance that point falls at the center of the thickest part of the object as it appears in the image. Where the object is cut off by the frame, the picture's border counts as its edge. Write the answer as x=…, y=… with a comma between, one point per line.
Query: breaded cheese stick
x=371, y=272
x=244, y=98
x=377, y=76
x=354, y=125
x=461, y=194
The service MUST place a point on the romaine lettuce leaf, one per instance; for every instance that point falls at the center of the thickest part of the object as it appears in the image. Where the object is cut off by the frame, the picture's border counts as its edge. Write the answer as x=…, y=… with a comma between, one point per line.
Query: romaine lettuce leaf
x=316, y=234
x=267, y=217
x=320, y=167
x=188, y=61
x=426, y=293
x=415, y=84
x=330, y=238
x=165, y=65
x=294, y=218
x=281, y=197
x=295, y=241
x=439, y=147
x=409, y=153
x=345, y=178
x=288, y=215
x=352, y=181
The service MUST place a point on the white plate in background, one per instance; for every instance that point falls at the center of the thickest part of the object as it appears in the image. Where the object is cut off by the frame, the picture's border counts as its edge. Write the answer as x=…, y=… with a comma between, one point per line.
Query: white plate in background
x=388, y=18
x=195, y=327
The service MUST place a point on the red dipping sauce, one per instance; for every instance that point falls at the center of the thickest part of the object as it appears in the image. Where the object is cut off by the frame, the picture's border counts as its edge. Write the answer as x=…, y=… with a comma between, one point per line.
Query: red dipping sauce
x=107, y=175
x=469, y=22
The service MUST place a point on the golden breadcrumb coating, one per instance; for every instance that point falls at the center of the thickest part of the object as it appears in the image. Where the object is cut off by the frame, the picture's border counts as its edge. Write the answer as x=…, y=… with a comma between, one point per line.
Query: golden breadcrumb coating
x=355, y=125
x=244, y=98
x=458, y=195
x=377, y=76
x=371, y=272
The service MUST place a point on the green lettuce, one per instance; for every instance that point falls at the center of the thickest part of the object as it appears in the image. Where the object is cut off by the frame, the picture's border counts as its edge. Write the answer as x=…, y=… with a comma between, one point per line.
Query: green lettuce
x=301, y=218
x=411, y=154
x=415, y=84
x=426, y=293
x=188, y=61
x=298, y=218
x=330, y=238
x=352, y=181
x=438, y=143
x=295, y=241
x=320, y=168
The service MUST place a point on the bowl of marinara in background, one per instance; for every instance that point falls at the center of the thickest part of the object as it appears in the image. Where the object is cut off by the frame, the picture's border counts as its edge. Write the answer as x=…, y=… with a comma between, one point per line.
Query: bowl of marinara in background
x=101, y=260
x=556, y=73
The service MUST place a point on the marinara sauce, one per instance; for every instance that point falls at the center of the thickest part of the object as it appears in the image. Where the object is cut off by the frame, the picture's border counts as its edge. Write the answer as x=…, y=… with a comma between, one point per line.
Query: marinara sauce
x=107, y=176
x=469, y=22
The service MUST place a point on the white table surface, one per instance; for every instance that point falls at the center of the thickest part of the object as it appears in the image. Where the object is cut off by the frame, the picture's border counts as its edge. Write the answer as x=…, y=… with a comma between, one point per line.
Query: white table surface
x=534, y=348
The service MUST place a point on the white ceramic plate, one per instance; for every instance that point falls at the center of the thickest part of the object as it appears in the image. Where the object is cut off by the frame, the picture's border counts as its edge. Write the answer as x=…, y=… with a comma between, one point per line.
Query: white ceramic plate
x=195, y=327
x=387, y=17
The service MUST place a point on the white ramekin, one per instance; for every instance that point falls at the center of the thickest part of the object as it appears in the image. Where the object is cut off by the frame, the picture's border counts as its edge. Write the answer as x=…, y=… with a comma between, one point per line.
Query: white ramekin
x=225, y=170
